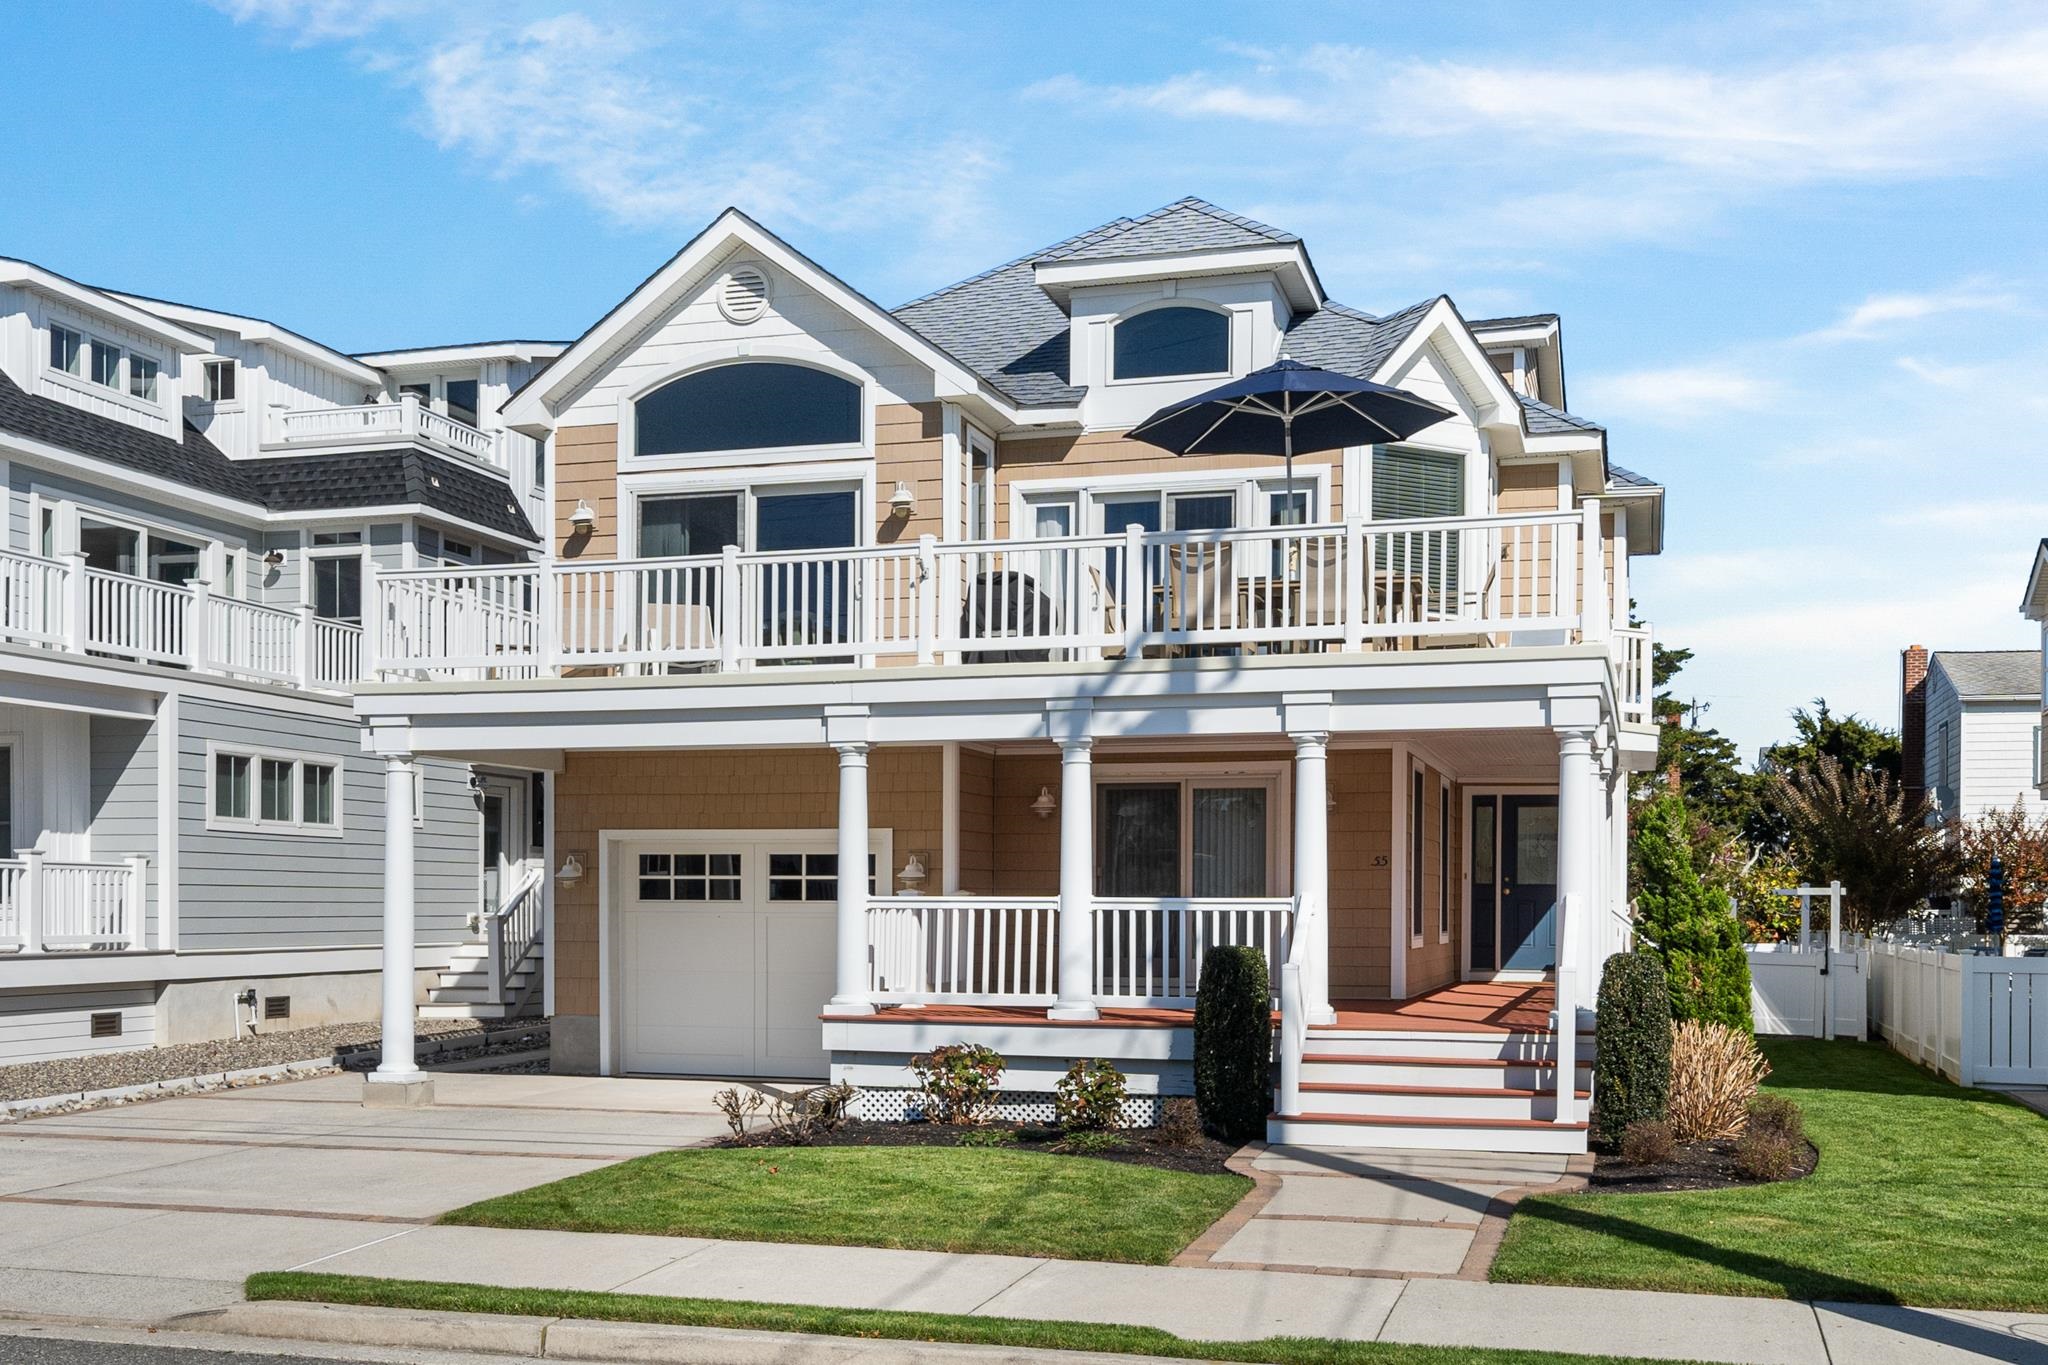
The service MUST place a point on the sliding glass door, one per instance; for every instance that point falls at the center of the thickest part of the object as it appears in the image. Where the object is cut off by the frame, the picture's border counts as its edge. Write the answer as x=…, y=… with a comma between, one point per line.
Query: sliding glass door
x=1200, y=837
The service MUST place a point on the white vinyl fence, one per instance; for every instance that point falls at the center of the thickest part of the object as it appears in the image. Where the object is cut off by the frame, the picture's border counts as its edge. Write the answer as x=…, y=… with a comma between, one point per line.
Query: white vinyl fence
x=1976, y=1019
x=1815, y=992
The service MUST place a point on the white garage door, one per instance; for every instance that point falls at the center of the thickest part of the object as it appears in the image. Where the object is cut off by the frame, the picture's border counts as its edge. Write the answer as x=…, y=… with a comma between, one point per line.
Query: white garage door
x=726, y=955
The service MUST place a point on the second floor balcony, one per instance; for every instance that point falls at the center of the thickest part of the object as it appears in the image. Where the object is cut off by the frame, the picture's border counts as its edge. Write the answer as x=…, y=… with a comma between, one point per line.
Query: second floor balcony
x=1491, y=582
x=374, y=424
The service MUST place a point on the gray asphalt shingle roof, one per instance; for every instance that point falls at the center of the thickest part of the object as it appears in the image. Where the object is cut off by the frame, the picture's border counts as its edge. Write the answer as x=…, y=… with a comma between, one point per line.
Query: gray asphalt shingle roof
x=1544, y=420
x=1628, y=478
x=1188, y=224
x=1986, y=673
x=1519, y=320
x=299, y=483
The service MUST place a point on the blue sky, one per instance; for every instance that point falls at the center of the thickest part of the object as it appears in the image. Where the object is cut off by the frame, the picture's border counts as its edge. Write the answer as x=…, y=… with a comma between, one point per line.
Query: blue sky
x=1798, y=249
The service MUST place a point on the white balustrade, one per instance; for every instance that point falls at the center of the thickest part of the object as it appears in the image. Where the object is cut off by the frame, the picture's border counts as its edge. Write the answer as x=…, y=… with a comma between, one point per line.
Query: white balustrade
x=513, y=930
x=648, y=611
x=31, y=598
x=468, y=623
x=1632, y=651
x=136, y=618
x=369, y=422
x=1150, y=952
x=989, y=951
x=48, y=905
x=249, y=640
x=337, y=653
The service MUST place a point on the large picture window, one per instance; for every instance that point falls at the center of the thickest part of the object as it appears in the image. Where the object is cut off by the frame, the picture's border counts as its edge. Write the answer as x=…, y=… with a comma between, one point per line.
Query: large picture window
x=1161, y=342
x=755, y=405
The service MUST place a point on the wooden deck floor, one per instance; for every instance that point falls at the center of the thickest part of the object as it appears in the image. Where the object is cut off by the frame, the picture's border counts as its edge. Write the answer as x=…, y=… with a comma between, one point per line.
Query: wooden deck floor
x=1468, y=1007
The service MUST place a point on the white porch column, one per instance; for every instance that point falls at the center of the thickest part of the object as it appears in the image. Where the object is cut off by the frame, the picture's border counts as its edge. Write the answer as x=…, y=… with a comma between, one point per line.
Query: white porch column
x=1578, y=800
x=398, y=1079
x=1312, y=867
x=850, y=989
x=1076, y=998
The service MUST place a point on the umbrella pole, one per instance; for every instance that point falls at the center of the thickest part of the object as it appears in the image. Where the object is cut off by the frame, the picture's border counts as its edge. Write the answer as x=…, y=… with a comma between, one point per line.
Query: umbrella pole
x=1287, y=439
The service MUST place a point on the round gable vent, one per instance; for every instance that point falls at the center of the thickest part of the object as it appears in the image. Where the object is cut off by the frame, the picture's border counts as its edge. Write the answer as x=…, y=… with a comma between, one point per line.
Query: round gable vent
x=743, y=294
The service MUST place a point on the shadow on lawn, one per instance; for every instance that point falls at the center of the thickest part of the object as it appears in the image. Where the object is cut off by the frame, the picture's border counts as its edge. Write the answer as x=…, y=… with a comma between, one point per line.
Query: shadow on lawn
x=1859, y=1301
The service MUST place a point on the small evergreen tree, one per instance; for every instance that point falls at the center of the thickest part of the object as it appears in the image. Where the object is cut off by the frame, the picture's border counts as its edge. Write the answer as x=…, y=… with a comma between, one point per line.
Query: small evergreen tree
x=1234, y=1043
x=1688, y=924
x=1632, y=1062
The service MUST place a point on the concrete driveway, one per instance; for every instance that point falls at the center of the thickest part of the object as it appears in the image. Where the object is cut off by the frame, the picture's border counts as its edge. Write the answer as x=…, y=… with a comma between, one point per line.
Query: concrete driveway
x=147, y=1210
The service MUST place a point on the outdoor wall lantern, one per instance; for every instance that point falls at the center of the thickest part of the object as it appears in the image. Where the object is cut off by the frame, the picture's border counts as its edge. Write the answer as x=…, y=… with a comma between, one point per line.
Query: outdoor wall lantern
x=1044, y=806
x=914, y=871
x=584, y=519
x=273, y=558
x=572, y=871
x=903, y=502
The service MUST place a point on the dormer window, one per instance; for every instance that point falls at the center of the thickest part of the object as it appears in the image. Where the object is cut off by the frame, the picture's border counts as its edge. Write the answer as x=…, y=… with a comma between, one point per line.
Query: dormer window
x=142, y=378
x=106, y=365
x=752, y=405
x=220, y=381
x=1162, y=343
x=65, y=346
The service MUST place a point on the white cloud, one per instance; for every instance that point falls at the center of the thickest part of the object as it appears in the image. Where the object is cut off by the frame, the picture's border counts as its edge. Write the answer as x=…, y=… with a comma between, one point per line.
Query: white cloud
x=1880, y=312
x=1676, y=395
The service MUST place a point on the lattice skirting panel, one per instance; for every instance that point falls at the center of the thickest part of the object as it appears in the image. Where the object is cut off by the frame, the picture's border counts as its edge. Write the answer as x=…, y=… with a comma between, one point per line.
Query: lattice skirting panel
x=1023, y=1106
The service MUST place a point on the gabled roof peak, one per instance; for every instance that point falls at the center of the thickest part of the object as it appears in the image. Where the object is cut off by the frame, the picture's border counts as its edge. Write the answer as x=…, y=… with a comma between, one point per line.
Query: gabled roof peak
x=1187, y=224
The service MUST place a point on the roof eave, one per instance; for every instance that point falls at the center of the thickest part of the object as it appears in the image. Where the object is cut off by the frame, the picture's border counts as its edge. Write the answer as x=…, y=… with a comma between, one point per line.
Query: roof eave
x=260, y=332
x=1289, y=261
x=28, y=275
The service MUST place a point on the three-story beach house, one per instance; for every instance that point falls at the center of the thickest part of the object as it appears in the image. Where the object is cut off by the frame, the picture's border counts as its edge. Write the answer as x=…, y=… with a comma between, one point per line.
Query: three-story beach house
x=893, y=696
x=190, y=833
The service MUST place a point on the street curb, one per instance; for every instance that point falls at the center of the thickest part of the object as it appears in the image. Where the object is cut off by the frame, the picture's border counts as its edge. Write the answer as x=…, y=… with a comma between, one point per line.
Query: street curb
x=205, y=1081
x=639, y=1343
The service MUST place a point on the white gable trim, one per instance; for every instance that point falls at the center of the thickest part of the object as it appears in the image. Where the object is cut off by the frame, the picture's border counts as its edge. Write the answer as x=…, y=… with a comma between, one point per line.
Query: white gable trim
x=53, y=285
x=1492, y=402
x=262, y=333
x=533, y=408
x=2034, y=606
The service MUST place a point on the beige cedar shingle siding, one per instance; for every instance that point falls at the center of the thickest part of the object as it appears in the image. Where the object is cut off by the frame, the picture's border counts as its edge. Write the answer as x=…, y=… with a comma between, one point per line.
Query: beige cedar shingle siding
x=587, y=470
x=1099, y=454
x=1435, y=961
x=977, y=822
x=722, y=789
x=1361, y=873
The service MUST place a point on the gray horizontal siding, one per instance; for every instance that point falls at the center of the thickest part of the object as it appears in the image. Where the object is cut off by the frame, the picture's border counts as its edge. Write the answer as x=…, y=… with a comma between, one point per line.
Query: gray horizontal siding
x=123, y=798
x=247, y=890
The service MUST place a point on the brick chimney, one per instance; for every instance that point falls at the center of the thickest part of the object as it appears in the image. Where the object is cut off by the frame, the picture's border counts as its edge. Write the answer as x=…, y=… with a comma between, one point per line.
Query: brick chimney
x=1913, y=721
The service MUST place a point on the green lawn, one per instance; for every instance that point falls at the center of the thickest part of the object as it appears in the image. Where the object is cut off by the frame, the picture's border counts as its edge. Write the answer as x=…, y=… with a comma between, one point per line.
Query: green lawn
x=927, y=1198
x=1927, y=1194
x=889, y=1326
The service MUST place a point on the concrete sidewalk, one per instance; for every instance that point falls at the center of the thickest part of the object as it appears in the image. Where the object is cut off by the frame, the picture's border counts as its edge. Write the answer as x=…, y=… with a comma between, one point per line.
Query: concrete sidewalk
x=1207, y=1304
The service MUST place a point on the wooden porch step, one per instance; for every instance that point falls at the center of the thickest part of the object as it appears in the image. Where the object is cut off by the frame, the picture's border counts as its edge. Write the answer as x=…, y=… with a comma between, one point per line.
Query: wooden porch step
x=1436, y=1091
x=1392, y=1059
x=1419, y=1121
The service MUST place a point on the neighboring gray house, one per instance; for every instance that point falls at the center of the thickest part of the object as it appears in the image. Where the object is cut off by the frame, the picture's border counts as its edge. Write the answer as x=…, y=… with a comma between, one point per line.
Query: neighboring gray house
x=195, y=504
x=1971, y=729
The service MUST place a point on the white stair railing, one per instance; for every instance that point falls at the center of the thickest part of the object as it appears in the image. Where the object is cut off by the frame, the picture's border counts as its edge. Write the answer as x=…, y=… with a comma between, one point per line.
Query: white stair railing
x=513, y=930
x=1294, y=1006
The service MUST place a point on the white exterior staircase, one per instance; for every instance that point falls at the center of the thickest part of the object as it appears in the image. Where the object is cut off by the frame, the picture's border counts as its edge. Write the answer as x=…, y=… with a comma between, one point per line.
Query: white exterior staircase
x=1447, y=1090
x=498, y=976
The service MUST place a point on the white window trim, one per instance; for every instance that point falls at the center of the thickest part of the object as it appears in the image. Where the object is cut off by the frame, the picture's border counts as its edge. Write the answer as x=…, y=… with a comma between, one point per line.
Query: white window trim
x=82, y=383
x=717, y=357
x=1276, y=776
x=747, y=484
x=1415, y=832
x=1230, y=317
x=224, y=405
x=1250, y=486
x=256, y=824
x=309, y=552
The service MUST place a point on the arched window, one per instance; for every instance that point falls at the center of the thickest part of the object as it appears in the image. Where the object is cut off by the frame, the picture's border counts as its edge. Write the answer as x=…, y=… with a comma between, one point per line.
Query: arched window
x=1169, y=341
x=754, y=405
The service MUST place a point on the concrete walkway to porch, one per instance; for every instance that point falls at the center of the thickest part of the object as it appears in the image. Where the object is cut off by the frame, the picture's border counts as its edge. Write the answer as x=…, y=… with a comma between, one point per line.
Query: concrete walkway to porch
x=1393, y=1214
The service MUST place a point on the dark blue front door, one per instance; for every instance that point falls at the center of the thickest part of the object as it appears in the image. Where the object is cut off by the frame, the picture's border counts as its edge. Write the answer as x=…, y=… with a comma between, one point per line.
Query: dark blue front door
x=1528, y=883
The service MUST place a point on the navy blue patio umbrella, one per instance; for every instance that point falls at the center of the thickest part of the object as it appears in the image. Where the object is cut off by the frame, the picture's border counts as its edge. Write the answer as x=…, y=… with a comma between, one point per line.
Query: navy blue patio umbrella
x=1288, y=407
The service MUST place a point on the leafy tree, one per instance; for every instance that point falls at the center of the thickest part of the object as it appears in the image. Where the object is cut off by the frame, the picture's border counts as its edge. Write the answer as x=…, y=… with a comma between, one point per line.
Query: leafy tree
x=2021, y=844
x=1709, y=770
x=1688, y=923
x=1849, y=740
x=1852, y=824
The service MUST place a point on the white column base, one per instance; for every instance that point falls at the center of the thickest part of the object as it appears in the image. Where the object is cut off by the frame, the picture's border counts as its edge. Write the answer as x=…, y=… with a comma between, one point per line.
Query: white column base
x=383, y=1091
x=847, y=1009
x=1325, y=1015
x=1074, y=1013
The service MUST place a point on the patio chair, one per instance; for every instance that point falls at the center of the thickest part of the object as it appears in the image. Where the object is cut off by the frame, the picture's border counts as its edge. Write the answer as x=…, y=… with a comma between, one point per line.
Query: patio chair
x=1197, y=594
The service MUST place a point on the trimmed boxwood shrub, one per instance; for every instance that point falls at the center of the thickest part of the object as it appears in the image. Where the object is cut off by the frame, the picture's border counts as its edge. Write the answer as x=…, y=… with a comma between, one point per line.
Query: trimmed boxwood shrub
x=1632, y=1065
x=1234, y=1043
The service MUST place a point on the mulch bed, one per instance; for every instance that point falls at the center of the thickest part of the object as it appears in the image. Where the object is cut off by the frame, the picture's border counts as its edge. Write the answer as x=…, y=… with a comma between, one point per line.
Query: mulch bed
x=1137, y=1146
x=1697, y=1166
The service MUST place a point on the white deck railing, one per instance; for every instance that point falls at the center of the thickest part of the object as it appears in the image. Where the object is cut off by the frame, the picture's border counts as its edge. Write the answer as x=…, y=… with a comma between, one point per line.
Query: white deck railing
x=1464, y=580
x=405, y=420
x=49, y=905
x=1004, y=950
x=1633, y=680
x=513, y=931
x=61, y=604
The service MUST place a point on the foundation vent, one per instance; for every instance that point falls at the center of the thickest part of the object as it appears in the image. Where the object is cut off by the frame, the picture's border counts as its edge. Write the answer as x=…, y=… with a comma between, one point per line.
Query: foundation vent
x=743, y=294
x=277, y=1007
x=107, y=1024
